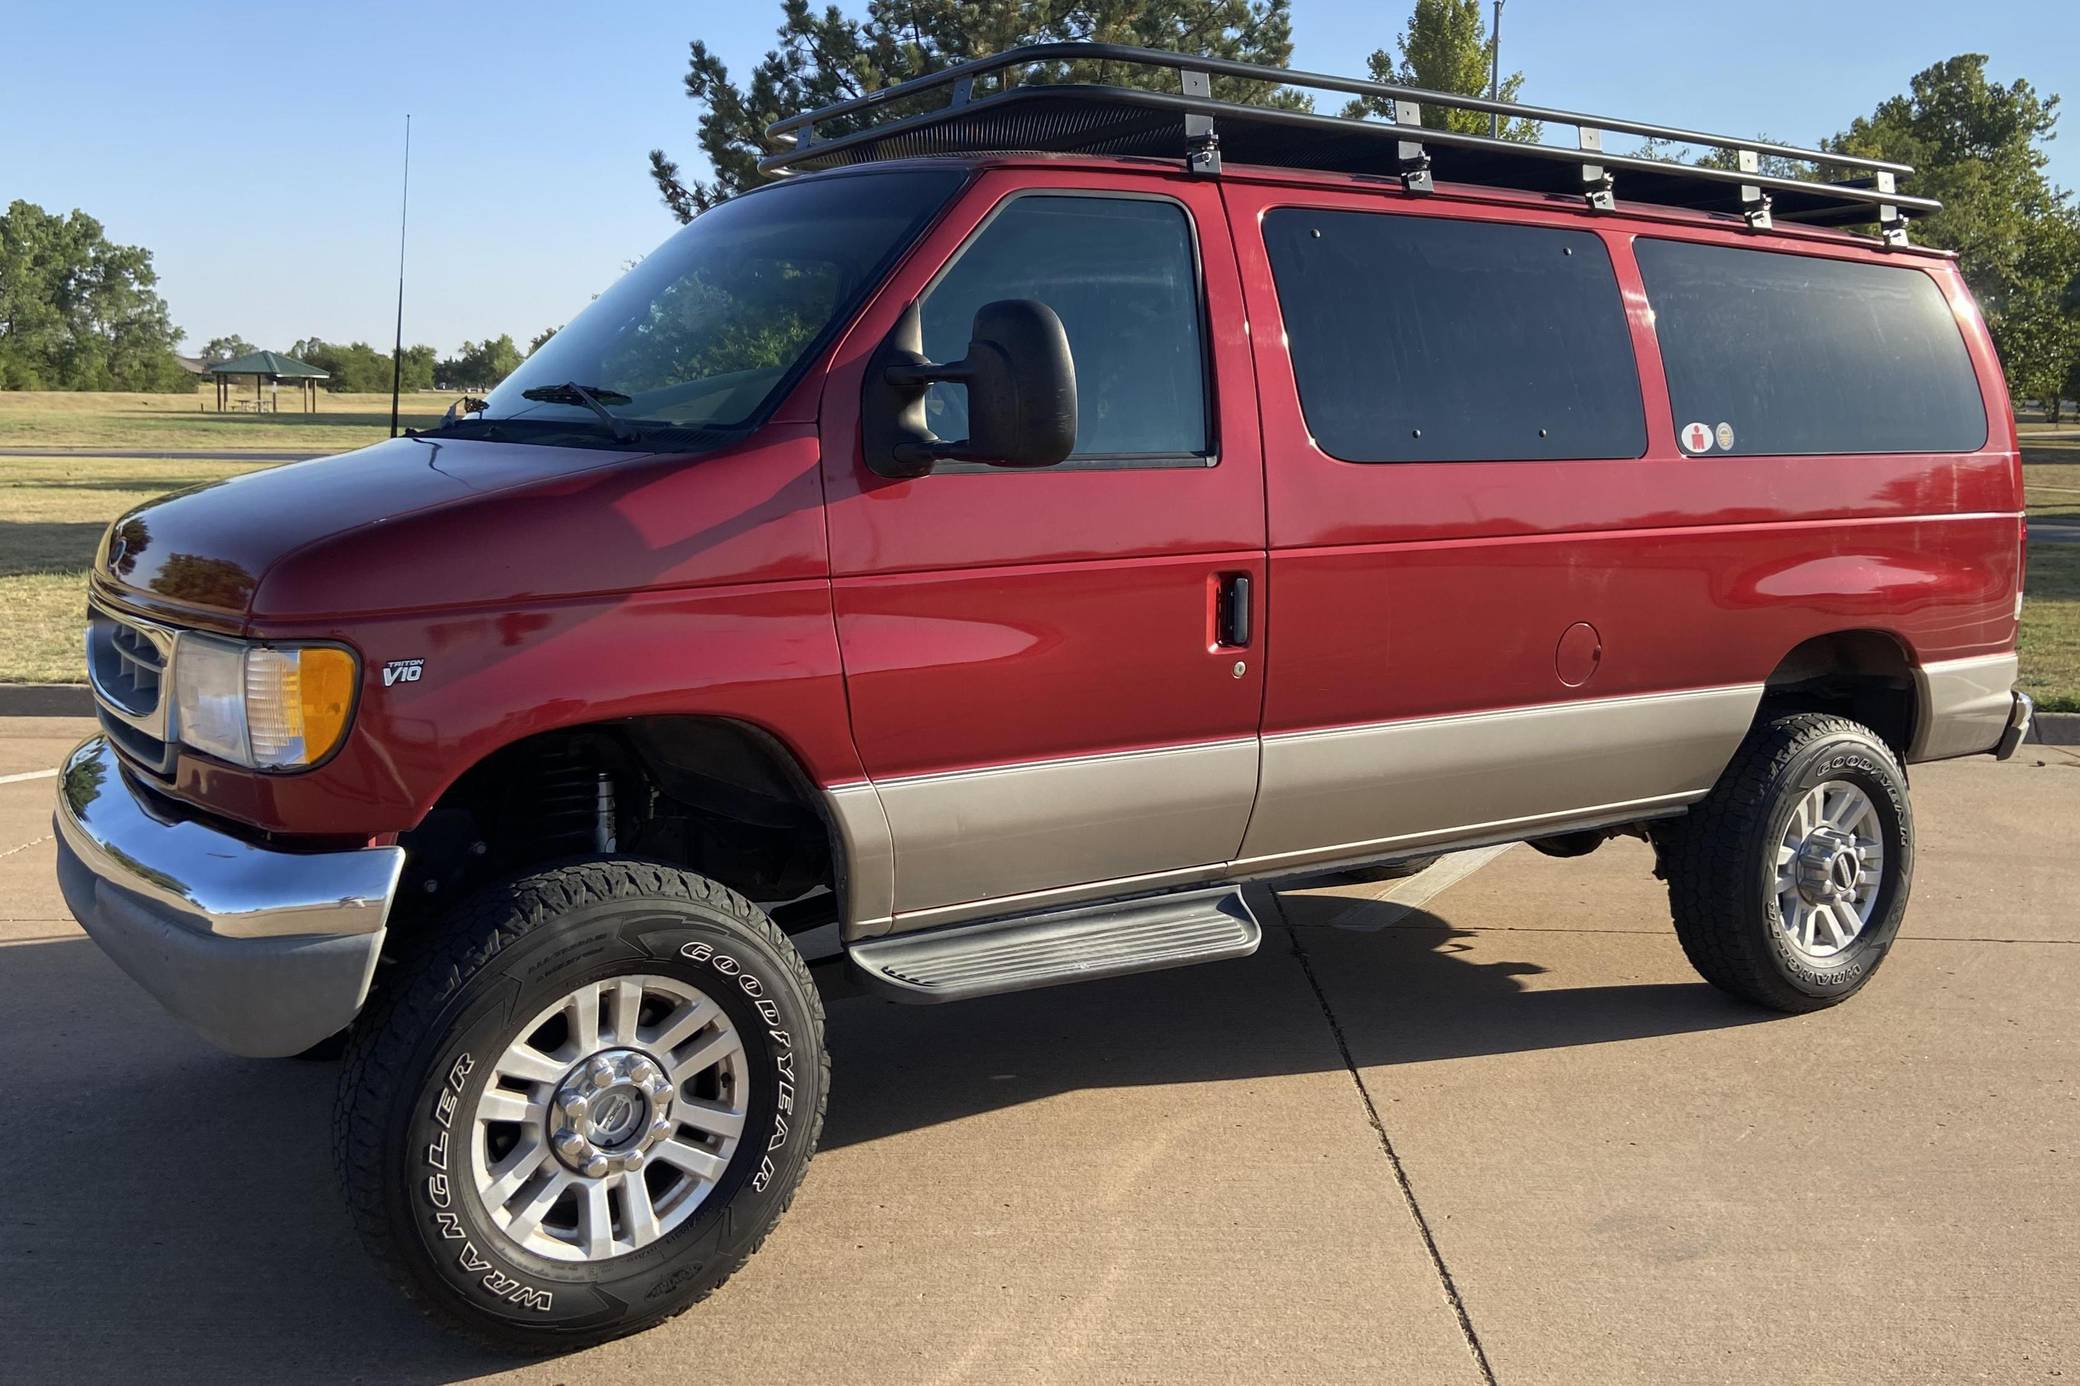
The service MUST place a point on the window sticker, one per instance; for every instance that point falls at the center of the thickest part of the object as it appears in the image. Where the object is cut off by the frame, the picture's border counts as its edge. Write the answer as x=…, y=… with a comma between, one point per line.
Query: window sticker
x=1696, y=437
x=1724, y=433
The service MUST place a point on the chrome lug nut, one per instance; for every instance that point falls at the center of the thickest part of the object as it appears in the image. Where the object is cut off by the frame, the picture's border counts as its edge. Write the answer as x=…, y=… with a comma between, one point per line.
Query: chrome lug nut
x=594, y=1168
x=568, y=1142
x=600, y=1074
x=633, y=1160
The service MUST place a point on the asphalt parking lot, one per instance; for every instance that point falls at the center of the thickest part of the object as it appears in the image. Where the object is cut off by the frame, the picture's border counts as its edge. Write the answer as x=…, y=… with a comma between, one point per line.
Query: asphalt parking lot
x=1504, y=1135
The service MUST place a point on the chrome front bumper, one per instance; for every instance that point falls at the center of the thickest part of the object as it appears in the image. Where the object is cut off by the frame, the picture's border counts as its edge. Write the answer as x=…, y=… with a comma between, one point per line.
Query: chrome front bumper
x=264, y=952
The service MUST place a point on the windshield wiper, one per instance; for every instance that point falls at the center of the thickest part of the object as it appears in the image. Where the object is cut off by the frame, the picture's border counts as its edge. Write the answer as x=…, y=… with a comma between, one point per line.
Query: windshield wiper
x=592, y=397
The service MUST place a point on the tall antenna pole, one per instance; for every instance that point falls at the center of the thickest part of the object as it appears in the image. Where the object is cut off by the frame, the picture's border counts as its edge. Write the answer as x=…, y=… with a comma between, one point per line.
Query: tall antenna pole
x=1495, y=73
x=397, y=352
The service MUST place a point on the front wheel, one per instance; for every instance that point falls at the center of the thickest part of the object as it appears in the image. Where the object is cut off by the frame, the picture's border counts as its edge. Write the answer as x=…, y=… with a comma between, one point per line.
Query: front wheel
x=1789, y=881
x=587, y=1108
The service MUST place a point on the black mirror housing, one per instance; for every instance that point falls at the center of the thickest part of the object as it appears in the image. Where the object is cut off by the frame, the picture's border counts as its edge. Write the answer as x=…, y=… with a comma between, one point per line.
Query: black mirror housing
x=1021, y=383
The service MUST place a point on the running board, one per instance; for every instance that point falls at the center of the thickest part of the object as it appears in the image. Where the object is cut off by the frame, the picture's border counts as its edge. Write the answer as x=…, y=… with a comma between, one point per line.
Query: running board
x=1071, y=945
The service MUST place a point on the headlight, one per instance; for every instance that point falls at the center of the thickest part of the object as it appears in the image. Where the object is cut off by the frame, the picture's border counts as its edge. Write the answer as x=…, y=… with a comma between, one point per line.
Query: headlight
x=270, y=707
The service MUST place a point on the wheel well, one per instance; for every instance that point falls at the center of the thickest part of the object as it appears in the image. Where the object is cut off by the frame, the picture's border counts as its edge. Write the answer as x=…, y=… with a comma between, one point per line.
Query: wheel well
x=717, y=797
x=1864, y=675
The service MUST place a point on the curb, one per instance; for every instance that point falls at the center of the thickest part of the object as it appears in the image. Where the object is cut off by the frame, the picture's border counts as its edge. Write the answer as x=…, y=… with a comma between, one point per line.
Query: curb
x=45, y=700
x=2055, y=729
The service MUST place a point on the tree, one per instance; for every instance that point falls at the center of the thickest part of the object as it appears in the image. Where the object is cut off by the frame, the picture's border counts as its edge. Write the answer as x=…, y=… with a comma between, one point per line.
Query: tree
x=1977, y=146
x=479, y=365
x=540, y=338
x=1446, y=47
x=359, y=369
x=826, y=56
x=230, y=348
x=78, y=312
x=2037, y=332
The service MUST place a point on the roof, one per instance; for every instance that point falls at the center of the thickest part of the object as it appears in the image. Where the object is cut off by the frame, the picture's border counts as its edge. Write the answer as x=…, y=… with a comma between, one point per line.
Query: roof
x=983, y=106
x=193, y=365
x=269, y=363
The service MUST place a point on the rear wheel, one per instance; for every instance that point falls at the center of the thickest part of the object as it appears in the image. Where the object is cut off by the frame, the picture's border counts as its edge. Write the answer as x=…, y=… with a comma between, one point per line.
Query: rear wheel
x=1789, y=881
x=588, y=1106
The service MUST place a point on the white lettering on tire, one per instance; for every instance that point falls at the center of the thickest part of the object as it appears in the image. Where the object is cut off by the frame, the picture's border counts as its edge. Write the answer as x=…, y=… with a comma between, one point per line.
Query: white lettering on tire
x=441, y=1194
x=783, y=1048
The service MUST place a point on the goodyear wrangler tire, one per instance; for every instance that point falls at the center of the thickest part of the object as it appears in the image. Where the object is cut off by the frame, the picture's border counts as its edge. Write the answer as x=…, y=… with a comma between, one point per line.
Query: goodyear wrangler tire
x=586, y=1107
x=1789, y=881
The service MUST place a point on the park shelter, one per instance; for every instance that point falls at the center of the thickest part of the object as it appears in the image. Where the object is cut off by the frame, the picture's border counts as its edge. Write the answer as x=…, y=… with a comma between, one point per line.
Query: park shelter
x=273, y=368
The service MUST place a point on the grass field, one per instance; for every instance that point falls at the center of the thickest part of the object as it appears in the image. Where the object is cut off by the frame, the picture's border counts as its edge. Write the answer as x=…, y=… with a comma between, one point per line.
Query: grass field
x=52, y=513
x=53, y=510
x=2051, y=476
x=130, y=423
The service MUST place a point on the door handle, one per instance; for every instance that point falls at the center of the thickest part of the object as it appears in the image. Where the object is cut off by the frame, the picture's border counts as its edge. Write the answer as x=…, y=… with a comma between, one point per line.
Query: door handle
x=1232, y=617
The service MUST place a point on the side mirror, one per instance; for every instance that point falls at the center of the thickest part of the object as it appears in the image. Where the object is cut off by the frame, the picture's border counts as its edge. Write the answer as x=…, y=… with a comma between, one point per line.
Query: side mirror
x=462, y=409
x=1021, y=386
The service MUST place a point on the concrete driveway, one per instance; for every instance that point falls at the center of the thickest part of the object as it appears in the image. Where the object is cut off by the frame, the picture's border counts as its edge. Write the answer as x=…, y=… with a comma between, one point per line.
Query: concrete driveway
x=1506, y=1136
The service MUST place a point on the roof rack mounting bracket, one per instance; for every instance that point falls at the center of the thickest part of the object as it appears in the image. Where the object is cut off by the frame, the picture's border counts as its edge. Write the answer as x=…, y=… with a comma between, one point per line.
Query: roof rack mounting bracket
x=1413, y=159
x=1892, y=222
x=1754, y=200
x=1202, y=143
x=1596, y=179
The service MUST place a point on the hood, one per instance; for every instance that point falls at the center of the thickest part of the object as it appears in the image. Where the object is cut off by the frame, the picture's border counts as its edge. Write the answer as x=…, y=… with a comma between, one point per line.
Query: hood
x=413, y=523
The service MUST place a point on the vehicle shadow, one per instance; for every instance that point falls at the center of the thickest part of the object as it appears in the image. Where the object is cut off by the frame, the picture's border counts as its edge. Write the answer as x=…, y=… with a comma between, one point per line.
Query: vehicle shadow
x=175, y=1215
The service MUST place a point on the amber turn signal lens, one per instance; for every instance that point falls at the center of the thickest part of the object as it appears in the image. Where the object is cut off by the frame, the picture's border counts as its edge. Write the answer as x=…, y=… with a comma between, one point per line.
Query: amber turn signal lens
x=297, y=703
x=325, y=681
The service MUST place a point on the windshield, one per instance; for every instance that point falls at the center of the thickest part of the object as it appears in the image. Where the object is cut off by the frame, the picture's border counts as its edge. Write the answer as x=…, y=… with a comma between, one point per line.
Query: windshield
x=708, y=331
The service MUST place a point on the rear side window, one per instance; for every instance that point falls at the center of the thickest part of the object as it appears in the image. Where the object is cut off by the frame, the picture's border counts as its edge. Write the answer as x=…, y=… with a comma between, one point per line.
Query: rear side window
x=1775, y=353
x=1122, y=275
x=1423, y=339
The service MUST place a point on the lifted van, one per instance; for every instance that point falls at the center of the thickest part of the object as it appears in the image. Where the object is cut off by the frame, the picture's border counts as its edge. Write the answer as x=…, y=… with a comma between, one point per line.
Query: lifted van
x=971, y=559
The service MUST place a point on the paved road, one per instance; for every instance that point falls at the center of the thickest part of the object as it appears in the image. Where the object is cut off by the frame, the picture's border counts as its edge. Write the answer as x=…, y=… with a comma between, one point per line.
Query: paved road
x=1509, y=1119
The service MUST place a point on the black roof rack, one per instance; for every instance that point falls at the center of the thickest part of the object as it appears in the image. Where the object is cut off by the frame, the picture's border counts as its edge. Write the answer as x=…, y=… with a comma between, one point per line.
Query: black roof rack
x=1002, y=103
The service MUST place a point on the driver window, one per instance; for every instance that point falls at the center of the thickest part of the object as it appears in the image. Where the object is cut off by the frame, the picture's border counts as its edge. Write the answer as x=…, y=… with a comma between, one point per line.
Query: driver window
x=1122, y=276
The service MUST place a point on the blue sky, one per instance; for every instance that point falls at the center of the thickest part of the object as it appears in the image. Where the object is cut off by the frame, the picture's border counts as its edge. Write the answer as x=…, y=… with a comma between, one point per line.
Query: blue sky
x=256, y=151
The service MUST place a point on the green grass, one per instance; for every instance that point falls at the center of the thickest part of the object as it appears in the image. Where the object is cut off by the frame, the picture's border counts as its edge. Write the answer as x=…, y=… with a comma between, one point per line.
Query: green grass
x=52, y=514
x=123, y=423
x=2051, y=626
x=2051, y=478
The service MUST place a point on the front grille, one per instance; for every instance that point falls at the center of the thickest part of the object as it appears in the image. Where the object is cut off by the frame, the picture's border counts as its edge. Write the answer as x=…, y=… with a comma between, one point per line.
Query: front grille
x=128, y=661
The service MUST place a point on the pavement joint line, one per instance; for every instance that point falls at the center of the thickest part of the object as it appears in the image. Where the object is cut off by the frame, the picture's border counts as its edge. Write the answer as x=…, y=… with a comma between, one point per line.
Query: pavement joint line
x=36, y=842
x=28, y=775
x=1645, y=933
x=1386, y=1145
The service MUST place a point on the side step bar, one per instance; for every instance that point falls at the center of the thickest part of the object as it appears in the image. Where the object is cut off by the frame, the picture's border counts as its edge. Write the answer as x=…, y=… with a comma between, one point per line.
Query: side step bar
x=1072, y=945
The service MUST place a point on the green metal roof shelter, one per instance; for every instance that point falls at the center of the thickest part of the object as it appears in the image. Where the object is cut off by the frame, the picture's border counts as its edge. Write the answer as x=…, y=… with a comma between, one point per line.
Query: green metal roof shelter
x=274, y=368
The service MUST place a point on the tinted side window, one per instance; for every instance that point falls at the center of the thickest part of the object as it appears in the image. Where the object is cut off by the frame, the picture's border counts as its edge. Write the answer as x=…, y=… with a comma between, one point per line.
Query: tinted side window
x=1796, y=354
x=1421, y=339
x=1121, y=274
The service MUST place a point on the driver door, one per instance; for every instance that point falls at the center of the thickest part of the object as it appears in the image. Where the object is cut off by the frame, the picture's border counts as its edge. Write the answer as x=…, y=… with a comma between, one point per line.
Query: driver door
x=1049, y=691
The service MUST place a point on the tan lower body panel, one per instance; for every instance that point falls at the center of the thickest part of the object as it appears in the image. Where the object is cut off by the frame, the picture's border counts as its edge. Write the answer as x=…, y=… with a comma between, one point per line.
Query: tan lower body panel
x=1964, y=706
x=1337, y=794
x=973, y=844
x=980, y=834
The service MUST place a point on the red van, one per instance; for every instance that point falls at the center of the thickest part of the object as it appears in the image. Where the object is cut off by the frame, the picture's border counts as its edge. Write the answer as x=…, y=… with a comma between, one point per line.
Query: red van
x=974, y=557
